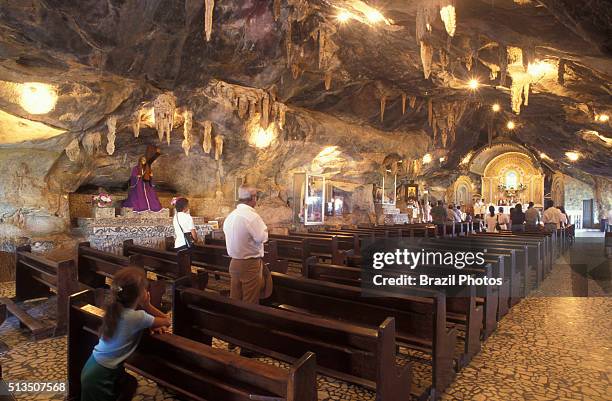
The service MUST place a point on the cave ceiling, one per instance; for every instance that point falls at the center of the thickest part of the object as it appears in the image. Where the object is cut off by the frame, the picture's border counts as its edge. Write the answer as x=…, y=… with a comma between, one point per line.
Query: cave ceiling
x=110, y=57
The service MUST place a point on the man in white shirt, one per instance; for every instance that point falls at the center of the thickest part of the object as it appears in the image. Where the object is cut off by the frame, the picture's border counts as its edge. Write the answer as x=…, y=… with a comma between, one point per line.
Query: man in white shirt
x=245, y=234
x=552, y=217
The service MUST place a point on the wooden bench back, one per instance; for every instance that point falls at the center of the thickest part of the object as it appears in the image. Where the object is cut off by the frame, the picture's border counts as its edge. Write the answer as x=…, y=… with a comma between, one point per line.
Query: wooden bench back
x=169, y=264
x=94, y=266
x=343, y=350
x=192, y=369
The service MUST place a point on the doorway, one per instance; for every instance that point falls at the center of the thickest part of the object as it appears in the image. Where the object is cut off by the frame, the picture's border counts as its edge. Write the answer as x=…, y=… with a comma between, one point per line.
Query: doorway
x=587, y=213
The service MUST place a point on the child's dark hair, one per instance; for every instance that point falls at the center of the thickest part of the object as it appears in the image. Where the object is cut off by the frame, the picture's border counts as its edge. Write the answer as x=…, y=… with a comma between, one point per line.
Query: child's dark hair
x=128, y=284
x=181, y=204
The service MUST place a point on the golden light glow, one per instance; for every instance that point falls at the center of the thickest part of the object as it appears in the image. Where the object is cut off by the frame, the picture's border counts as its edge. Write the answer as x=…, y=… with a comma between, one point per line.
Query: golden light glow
x=602, y=118
x=38, y=98
x=473, y=84
x=496, y=107
x=449, y=17
x=544, y=156
x=467, y=158
x=572, y=156
x=343, y=16
x=259, y=137
x=442, y=159
x=427, y=158
x=510, y=125
x=370, y=15
x=374, y=16
x=539, y=69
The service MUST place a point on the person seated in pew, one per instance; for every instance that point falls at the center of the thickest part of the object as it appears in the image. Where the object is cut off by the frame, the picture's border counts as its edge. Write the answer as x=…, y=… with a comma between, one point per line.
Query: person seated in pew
x=245, y=234
x=103, y=377
x=184, y=230
x=518, y=219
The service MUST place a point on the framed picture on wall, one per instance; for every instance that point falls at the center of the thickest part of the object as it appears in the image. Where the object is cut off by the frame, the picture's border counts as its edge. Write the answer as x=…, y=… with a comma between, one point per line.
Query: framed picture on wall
x=238, y=181
x=412, y=192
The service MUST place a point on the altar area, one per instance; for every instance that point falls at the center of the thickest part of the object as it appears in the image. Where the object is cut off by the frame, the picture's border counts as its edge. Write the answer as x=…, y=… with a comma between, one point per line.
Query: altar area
x=109, y=229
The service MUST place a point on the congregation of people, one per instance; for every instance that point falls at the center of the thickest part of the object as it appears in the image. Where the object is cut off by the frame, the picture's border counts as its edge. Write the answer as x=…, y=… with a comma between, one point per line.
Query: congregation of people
x=493, y=219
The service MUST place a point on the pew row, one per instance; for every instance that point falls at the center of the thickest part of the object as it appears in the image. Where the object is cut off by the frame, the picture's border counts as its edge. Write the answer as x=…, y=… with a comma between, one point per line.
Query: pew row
x=365, y=356
x=191, y=369
x=37, y=277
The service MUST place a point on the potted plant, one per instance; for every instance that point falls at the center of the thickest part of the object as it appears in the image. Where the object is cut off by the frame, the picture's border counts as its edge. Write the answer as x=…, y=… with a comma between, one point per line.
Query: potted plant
x=103, y=206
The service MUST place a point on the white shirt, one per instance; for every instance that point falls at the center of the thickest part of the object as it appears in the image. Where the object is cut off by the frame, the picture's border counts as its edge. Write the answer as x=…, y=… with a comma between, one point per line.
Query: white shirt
x=491, y=221
x=504, y=220
x=552, y=215
x=245, y=233
x=186, y=223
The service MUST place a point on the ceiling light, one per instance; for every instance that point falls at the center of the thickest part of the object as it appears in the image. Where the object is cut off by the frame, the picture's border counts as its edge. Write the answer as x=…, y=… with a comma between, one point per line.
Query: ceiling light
x=544, y=156
x=344, y=16
x=539, y=69
x=38, y=98
x=374, y=15
x=467, y=158
x=602, y=118
x=473, y=84
x=442, y=159
x=427, y=158
x=496, y=107
x=573, y=156
x=510, y=125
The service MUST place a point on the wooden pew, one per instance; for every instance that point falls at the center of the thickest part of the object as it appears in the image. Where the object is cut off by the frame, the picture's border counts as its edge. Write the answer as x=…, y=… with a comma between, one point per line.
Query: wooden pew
x=327, y=248
x=38, y=277
x=3, y=346
x=191, y=369
x=95, y=266
x=514, y=266
x=461, y=306
x=420, y=320
x=365, y=356
x=502, y=265
x=214, y=256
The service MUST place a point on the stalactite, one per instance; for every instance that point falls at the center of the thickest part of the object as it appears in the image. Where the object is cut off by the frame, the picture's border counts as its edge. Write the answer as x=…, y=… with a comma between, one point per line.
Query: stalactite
x=561, y=72
x=136, y=123
x=426, y=14
x=295, y=71
x=111, y=124
x=218, y=146
x=276, y=9
x=503, y=64
x=209, y=5
x=187, y=125
x=426, y=58
x=529, y=55
x=383, y=104
x=448, y=16
x=443, y=58
x=412, y=101
x=164, y=107
x=243, y=106
x=282, y=110
x=207, y=142
x=73, y=150
x=289, y=43
x=403, y=103
x=265, y=112
x=430, y=115
x=92, y=142
x=328, y=80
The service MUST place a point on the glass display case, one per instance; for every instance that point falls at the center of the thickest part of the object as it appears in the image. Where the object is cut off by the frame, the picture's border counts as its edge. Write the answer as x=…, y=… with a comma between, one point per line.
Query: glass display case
x=309, y=198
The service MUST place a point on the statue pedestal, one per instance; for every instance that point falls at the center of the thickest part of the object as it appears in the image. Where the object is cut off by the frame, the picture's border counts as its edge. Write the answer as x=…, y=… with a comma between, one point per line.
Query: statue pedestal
x=128, y=213
x=108, y=234
x=103, y=212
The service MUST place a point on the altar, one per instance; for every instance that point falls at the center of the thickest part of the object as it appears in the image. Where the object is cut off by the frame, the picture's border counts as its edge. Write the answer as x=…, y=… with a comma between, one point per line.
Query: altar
x=108, y=234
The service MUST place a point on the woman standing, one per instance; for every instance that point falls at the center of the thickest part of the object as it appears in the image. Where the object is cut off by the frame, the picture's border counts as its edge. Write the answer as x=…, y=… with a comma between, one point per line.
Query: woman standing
x=491, y=220
x=518, y=218
x=141, y=194
x=185, y=234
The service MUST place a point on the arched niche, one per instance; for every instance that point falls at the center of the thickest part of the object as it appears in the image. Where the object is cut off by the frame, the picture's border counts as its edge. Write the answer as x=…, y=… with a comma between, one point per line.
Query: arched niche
x=557, y=189
x=513, y=170
x=463, y=191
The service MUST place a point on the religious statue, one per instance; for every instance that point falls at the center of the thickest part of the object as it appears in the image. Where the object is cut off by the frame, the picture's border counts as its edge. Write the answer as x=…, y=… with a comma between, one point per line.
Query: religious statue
x=141, y=193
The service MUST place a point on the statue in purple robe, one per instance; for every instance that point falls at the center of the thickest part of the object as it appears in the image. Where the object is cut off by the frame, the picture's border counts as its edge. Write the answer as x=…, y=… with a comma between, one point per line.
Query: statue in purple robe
x=141, y=193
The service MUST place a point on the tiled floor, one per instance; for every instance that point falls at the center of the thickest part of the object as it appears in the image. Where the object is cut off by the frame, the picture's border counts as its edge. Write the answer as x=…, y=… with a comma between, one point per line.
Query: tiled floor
x=551, y=346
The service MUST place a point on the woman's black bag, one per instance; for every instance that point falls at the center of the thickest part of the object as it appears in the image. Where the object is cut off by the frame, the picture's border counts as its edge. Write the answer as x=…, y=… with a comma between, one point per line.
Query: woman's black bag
x=189, y=241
